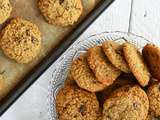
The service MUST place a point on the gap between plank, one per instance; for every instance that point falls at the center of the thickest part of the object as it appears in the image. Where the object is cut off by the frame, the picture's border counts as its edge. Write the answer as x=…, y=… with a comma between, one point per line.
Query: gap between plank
x=130, y=17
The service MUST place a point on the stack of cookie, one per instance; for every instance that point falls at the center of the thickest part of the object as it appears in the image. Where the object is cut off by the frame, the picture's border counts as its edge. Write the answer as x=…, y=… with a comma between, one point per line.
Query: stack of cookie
x=112, y=82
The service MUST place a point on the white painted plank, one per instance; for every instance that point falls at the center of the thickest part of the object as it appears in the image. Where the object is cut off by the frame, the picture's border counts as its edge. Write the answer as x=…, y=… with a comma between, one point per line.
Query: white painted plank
x=146, y=19
x=115, y=18
x=32, y=104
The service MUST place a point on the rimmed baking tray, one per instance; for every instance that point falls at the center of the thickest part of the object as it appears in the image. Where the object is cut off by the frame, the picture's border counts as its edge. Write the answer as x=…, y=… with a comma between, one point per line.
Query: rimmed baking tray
x=31, y=76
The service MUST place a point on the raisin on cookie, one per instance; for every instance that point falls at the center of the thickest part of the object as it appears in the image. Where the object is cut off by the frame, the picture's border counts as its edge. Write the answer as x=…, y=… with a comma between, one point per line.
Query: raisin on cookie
x=151, y=54
x=73, y=103
x=133, y=90
x=61, y=12
x=136, y=64
x=114, y=53
x=21, y=40
x=83, y=75
x=5, y=10
x=123, y=108
x=104, y=71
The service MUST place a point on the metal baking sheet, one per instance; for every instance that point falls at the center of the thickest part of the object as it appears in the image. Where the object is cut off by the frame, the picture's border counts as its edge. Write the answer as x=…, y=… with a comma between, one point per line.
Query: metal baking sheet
x=20, y=76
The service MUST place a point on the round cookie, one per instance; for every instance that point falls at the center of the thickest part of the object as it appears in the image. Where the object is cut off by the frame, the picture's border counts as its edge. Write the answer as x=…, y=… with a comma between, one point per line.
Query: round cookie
x=5, y=10
x=21, y=40
x=73, y=103
x=151, y=54
x=123, y=108
x=104, y=71
x=136, y=64
x=153, y=93
x=113, y=51
x=83, y=75
x=133, y=90
x=61, y=12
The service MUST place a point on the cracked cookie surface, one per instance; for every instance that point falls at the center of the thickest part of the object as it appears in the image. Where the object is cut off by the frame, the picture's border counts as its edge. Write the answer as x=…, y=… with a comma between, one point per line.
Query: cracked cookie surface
x=73, y=103
x=104, y=71
x=61, y=12
x=123, y=108
x=136, y=64
x=83, y=75
x=133, y=90
x=114, y=53
x=21, y=40
x=5, y=10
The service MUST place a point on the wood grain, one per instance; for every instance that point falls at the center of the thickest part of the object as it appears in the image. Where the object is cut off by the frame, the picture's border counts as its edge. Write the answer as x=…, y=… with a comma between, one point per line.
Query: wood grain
x=146, y=19
x=115, y=18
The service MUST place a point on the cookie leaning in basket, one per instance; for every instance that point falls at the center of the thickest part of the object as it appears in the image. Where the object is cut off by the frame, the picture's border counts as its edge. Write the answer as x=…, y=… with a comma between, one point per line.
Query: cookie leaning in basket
x=151, y=54
x=83, y=75
x=136, y=63
x=114, y=53
x=104, y=71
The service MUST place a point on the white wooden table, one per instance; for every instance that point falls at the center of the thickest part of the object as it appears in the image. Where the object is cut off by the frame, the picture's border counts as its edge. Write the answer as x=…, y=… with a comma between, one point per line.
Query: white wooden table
x=145, y=21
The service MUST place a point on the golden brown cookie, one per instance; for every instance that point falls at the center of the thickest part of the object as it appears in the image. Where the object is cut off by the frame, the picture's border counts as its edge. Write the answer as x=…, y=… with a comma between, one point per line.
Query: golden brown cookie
x=136, y=63
x=151, y=54
x=104, y=71
x=5, y=10
x=133, y=90
x=83, y=75
x=123, y=108
x=114, y=53
x=153, y=93
x=21, y=40
x=61, y=12
x=73, y=103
